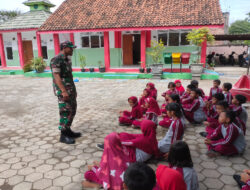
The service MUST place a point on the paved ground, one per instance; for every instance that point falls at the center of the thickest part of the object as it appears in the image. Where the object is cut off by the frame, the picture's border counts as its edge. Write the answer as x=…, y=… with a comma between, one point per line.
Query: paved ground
x=32, y=158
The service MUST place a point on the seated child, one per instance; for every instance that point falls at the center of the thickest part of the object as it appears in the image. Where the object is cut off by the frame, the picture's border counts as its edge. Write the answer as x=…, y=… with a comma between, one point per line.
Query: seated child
x=210, y=108
x=171, y=90
x=215, y=89
x=243, y=180
x=126, y=118
x=152, y=113
x=139, y=176
x=176, y=129
x=119, y=151
x=226, y=91
x=179, y=87
x=196, y=84
x=169, y=179
x=179, y=158
x=193, y=109
x=186, y=94
x=174, y=98
x=227, y=139
x=142, y=101
x=153, y=92
x=237, y=107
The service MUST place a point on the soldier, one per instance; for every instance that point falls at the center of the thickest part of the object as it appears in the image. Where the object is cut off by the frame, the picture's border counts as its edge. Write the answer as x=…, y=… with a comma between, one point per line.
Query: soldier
x=65, y=90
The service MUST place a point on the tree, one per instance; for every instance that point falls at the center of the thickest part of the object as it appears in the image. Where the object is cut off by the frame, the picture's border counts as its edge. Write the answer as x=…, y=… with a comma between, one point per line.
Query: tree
x=6, y=15
x=240, y=27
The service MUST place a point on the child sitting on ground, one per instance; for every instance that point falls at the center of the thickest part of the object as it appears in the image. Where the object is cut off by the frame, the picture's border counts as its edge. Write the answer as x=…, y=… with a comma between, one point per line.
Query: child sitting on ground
x=193, y=108
x=196, y=84
x=139, y=176
x=153, y=92
x=243, y=180
x=126, y=118
x=174, y=98
x=227, y=139
x=176, y=129
x=171, y=90
x=143, y=99
x=179, y=158
x=179, y=87
x=186, y=94
x=210, y=108
x=237, y=107
x=226, y=91
x=215, y=89
x=152, y=113
x=119, y=151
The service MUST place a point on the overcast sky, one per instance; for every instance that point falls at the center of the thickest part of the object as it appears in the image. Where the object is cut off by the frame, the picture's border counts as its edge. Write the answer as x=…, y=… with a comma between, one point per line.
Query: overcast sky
x=237, y=8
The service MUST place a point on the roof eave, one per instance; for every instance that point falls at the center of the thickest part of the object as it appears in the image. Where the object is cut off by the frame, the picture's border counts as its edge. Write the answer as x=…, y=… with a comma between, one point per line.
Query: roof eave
x=18, y=30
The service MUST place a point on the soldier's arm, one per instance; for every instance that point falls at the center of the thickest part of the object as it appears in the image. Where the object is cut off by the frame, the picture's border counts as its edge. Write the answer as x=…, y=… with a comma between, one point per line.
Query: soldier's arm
x=58, y=82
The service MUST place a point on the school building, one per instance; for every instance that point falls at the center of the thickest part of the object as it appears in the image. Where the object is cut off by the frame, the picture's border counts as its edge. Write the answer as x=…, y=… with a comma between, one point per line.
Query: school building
x=117, y=33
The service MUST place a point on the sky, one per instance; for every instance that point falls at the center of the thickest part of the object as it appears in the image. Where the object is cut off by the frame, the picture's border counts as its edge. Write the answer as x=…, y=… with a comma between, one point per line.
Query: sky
x=237, y=8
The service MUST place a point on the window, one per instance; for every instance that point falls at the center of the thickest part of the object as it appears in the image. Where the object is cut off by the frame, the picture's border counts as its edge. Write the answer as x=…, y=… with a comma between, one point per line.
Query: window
x=35, y=6
x=44, y=52
x=92, y=41
x=9, y=53
x=85, y=41
x=163, y=38
x=183, y=39
x=95, y=42
x=173, y=39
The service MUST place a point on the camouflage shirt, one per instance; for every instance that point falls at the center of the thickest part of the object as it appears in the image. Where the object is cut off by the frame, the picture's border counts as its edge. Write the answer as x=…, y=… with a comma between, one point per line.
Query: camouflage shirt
x=63, y=65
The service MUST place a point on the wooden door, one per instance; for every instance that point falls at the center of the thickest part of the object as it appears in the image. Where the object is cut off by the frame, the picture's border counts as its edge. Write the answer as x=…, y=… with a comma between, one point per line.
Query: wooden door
x=27, y=51
x=127, y=49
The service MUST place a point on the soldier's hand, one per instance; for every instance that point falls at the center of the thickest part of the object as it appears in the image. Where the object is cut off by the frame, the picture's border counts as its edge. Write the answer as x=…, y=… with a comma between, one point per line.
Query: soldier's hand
x=65, y=95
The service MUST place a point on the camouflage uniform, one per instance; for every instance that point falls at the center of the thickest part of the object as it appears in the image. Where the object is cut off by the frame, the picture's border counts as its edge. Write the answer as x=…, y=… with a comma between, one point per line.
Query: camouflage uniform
x=67, y=109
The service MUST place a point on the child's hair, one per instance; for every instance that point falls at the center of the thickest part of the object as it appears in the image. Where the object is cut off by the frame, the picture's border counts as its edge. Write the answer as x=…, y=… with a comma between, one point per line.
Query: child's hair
x=242, y=99
x=196, y=90
x=190, y=86
x=195, y=83
x=223, y=103
x=139, y=176
x=199, y=92
x=219, y=96
x=176, y=108
x=171, y=84
x=227, y=86
x=179, y=155
x=175, y=97
x=217, y=81
x=231, y=115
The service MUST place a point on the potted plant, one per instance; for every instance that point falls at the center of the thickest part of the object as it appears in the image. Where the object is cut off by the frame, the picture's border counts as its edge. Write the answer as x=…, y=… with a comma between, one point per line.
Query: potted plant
x=82, y=59
x=27, y=67
x=38, y=64
x=197, y=37
x=101, y=67
x=91, y=70
x=156, y=54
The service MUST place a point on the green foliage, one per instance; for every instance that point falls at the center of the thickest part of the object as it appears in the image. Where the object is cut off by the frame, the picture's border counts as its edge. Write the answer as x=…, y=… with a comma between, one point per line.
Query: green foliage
x=240, y=27
x=28, y=67
x=38, y=64
x=156, y=51
x=5, y=15
x=82, y=60
x=197, y=36
x=247, y=42
x=101, y=64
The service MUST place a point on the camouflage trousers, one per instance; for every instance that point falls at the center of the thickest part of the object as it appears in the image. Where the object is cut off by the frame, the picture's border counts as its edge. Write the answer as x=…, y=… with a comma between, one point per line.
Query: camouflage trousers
x=67, y=111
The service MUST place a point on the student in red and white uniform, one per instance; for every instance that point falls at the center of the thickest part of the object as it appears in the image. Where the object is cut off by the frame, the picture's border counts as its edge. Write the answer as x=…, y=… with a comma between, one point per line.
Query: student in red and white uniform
x=210, y=108
x=171, y=90
x=226, y=87
x=153, y=91
x=196, y=84
x=227, y=139
x=237, y=107
x=176, y=129
x=143, y=99
x=215, y=89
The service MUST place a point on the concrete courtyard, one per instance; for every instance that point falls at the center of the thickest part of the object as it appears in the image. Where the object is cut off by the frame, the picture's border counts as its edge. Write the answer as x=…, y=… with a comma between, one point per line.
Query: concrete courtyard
x=32, y=158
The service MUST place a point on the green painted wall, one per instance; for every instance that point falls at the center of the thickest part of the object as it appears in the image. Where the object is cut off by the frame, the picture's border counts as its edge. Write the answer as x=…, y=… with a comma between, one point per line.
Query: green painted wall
x=15, y=61
x=39, y=8
x=175, y=49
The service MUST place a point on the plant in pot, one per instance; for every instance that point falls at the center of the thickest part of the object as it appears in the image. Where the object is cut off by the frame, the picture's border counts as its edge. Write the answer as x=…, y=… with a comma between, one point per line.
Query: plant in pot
x=83, y=64
x=102, y=68
x=197, y=37
x=157, y=49
x=38, y=64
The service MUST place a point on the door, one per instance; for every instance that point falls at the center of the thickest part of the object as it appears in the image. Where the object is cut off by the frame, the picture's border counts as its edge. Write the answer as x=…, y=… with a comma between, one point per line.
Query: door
x=127, y=49
x=27, y=51
x=136, y=49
